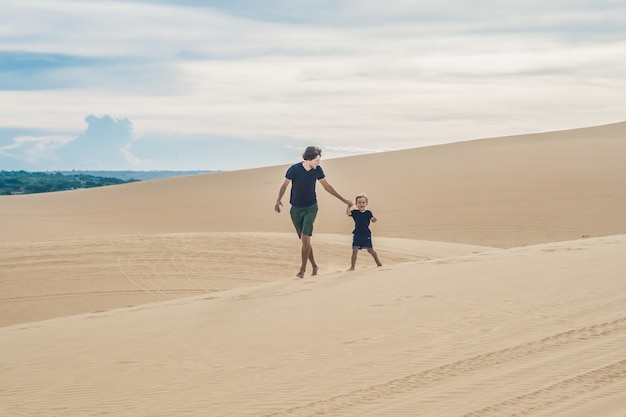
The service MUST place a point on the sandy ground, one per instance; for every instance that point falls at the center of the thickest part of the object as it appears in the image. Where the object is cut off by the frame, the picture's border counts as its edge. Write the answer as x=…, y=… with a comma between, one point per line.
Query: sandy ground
x=502, y=291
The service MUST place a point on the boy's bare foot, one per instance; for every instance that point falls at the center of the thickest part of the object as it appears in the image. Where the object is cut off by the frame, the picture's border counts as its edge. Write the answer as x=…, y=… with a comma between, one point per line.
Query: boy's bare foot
x=300, y=274
x=351, y=269
x=315, y=268
x=379, y=264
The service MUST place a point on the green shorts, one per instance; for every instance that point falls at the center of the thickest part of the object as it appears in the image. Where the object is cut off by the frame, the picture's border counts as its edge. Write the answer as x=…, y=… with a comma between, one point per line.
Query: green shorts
x=303, y=219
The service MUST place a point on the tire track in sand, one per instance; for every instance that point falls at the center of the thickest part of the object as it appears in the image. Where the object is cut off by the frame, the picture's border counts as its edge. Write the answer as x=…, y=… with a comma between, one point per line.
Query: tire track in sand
x=543, y=398
x=539, y=398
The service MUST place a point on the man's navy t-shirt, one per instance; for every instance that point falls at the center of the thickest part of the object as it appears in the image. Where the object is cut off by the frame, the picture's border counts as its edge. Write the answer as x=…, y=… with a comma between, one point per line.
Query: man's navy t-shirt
x=303, y=184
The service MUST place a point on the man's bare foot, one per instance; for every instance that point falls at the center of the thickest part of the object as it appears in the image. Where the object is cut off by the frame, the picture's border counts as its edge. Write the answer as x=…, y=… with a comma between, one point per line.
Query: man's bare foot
x=351, y=269
x=315, y=268
x=300, y=274
x=379, y=264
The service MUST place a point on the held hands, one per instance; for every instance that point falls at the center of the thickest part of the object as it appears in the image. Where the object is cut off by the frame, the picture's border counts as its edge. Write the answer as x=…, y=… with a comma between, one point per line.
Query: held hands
x=349, y=206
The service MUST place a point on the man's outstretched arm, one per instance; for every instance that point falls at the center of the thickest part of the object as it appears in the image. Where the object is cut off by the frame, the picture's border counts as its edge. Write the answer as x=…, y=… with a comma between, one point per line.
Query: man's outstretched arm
x=332, y=191
x=281, y=193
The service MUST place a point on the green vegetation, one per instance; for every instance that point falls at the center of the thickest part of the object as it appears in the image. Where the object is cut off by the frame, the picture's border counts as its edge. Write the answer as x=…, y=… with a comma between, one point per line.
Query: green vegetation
x=22, y=182
x=137, y=175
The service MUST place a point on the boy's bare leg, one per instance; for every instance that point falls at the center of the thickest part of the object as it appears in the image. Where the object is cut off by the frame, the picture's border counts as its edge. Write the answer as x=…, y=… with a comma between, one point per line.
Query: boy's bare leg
x=355, y=252
x=306, y=252
x=375, y=255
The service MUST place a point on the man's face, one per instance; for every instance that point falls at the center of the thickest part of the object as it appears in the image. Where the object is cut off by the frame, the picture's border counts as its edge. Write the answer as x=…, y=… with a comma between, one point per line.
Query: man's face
x=313, y=163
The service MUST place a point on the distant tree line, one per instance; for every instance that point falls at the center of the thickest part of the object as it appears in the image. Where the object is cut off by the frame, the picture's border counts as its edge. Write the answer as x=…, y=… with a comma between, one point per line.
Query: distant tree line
x=22, y=182
x=137, y=175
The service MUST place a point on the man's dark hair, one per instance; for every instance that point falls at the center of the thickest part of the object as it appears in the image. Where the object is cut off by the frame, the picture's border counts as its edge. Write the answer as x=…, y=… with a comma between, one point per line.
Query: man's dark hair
x=311, y=152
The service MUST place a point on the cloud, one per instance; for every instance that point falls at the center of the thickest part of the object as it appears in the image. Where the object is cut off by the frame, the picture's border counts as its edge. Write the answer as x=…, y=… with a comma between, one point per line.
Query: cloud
x=105, y=143
x=111, y=143
x=32, y=150
x=357, y=75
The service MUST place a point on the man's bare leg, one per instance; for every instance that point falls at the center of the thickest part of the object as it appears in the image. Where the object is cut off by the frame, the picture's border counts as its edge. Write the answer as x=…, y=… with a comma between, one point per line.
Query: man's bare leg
x=306, y=253
x=312, y=260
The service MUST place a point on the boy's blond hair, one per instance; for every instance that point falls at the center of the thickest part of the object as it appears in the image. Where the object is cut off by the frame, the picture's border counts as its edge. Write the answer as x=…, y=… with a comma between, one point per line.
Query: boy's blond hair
x=362, y=195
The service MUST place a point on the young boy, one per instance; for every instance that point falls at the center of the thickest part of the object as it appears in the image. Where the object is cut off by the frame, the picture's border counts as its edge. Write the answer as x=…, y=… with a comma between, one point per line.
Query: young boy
x=362, y=235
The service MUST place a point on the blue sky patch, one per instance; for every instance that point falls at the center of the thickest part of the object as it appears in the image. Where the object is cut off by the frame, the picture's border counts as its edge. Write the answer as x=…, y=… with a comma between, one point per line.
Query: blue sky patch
x=21, y=70
x=30, y=62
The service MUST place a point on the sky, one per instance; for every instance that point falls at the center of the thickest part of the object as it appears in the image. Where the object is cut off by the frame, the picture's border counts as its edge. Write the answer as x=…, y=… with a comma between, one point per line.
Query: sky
x=238, y=84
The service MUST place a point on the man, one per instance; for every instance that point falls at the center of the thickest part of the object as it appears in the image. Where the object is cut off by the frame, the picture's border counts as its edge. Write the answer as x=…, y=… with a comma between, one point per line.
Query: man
x=303, y=199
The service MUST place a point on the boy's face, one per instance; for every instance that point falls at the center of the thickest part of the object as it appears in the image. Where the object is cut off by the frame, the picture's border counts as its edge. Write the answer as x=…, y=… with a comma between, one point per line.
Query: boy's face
x=361, y=203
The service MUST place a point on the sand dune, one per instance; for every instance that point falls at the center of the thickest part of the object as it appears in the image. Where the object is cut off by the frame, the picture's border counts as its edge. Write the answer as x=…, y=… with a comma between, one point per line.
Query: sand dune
x=41, y=280
x=502, y=192
x=502, y=290
x=499, y=333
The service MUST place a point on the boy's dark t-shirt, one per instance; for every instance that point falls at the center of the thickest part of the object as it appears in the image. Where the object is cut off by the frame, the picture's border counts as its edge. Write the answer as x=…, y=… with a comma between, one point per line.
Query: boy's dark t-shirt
x=303, y=184
x=361, y=222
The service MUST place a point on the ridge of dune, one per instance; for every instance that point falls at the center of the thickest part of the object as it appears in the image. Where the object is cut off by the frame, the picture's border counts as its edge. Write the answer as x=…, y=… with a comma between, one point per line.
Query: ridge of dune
x=535, y=331
x=503, y=192
x=40, y=280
